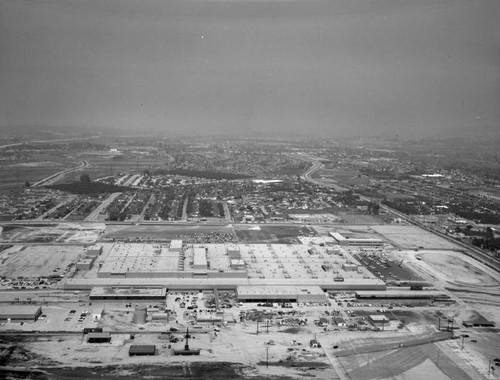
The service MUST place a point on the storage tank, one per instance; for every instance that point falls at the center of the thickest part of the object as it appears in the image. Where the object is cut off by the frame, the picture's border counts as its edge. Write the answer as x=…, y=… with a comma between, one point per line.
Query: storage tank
x=140, y=314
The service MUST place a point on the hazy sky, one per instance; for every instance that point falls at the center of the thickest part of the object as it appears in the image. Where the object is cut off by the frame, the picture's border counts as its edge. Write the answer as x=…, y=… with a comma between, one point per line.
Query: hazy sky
x=339, y=66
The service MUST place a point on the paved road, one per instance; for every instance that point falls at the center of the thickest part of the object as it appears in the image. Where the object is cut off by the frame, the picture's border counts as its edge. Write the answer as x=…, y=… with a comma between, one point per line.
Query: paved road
x=309, y=173
x=57, y=176
x=66, y=201
x=227, y=213
x=92, y=217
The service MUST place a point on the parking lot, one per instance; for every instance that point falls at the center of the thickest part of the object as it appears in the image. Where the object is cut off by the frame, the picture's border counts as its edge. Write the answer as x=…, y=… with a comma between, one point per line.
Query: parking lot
x=386, y=268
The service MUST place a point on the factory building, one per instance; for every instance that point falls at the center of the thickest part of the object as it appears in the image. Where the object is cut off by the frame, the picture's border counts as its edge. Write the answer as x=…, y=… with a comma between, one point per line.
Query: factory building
x=200, y=259
x=357, y=242
x=94, y=251
x=400, y=294
x=237, y=264
x=233, y=251
x=123, y=294
x=378, y=320
x=176, y=246
x=203, y=266
x=85, y=264
x=142, y=350
x=20, y=313
x=278, y=294
x=99, y=337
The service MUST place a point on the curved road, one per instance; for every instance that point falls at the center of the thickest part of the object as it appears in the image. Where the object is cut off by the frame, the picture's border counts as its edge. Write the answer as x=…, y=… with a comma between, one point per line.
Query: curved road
x=55, y=177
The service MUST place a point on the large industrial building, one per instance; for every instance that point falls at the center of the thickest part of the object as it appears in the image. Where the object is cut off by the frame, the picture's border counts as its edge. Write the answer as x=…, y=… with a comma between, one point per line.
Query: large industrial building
x=355, y=242
x=235, y=267
x=312, y=294
x=123, y=294
x=20, y=313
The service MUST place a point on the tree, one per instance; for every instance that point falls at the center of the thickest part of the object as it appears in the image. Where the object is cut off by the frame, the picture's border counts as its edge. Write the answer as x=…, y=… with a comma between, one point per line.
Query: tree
x=85, y=178
x=489, y=233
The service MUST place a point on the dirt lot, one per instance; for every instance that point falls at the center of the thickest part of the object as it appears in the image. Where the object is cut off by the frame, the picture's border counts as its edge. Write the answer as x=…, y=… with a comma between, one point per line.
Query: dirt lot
x=37, y=261
x=458, y=268
x=411, y=236
x=51, y=233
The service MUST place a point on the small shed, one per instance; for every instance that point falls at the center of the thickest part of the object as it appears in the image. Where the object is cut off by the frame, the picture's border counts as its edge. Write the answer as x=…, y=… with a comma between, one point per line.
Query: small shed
x=378, y=320
x=97, y=313
x=142, y=350
x=339, y=321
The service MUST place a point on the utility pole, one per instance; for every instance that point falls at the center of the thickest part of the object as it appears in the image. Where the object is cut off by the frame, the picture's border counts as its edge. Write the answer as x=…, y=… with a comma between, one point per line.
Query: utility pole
x=257, y=325
x=267, y=356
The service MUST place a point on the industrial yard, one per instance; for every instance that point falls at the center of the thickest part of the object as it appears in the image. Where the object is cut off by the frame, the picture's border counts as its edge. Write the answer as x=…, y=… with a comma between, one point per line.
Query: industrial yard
x=339, y=302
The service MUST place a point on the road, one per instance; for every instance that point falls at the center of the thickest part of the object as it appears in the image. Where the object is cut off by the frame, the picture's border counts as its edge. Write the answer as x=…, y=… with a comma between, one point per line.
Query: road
x=57, y=176
x=315, y=167
x=66, y=201
x=184, y=209
x=93, y=216
x=227, y=213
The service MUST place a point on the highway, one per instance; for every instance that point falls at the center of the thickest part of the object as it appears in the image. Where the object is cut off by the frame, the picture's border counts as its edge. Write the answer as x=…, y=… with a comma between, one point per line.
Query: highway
x=55, y=177
x=314, y=168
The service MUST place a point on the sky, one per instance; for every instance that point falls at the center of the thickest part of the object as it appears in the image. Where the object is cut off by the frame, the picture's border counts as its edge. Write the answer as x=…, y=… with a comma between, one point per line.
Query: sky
x=414, y=68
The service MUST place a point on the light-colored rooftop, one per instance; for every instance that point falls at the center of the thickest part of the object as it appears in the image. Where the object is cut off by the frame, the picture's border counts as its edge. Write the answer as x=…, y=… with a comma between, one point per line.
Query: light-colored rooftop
x=199, y=258
x=19, y=309
x=124, y=258
x=285, y=290
x=109, y=291
x=176, y=244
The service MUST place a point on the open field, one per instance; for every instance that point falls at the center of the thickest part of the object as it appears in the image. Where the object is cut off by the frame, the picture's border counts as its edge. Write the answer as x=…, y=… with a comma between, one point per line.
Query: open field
x=101, y=165
x=358, y=218
x=34, y=167
x=40, y=165
x=341, y=177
